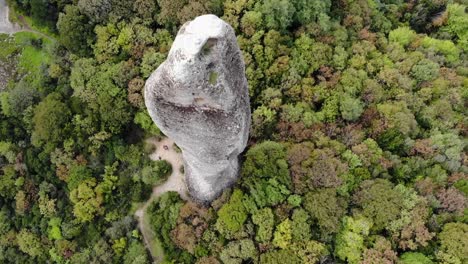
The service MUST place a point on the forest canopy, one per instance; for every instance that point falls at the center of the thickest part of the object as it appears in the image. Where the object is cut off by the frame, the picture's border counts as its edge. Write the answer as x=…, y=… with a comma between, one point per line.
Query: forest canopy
x=357, y=150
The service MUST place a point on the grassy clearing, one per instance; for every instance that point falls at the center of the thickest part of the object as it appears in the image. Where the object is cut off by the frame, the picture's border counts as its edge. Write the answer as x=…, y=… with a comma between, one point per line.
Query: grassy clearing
x=24, y=54
x=25, y=38
x=32, y=57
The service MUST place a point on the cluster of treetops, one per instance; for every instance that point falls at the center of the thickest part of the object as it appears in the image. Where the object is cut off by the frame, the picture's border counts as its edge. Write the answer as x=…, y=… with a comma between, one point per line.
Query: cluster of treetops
x=357, y=152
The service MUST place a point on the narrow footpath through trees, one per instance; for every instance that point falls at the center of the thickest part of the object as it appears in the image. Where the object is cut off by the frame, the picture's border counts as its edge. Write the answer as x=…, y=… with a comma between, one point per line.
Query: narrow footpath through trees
x=165, y=150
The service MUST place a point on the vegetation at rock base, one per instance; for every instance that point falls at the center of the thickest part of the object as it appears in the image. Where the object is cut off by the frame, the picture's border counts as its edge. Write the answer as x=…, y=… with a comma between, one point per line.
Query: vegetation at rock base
x=357, y=151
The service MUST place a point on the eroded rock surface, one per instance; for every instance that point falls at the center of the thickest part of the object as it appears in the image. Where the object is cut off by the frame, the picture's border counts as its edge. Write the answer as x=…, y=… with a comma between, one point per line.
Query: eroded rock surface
x=199, y=98
x=5, y=25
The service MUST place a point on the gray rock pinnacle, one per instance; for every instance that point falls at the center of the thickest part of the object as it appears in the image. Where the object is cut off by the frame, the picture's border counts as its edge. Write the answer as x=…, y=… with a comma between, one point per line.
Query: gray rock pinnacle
x=199, y=98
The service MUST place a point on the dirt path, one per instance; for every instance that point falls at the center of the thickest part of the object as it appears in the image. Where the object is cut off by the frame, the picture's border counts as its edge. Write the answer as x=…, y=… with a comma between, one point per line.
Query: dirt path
x=6, y=27
x=175, y=182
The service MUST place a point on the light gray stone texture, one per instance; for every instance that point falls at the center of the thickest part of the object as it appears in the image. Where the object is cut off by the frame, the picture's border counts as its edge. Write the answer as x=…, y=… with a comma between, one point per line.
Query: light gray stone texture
x=199, y=98
x=6, y=27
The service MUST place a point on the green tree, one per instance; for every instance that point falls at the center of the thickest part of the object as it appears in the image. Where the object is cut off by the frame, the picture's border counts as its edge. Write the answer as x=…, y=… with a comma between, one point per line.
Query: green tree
x=21, y=97
x=267, y=160
x=392, y=140
x=30, y=244
x=349, y=244
x=156, y=172
x=266, y=192
x=113, y=41
x=278, y=14
x=308, y=55
x=21, y=203
x=146, y=10
x=5, y=223
x=7, y=150
x=119, y=245
x=54, y=228
x=78, y=174
x=168, y=12
x=8, y=186
x=43, y=12
x=449, y=148
x=264, y=219
x=232, y=215
x=310, y=11
x=415, y=258
x=445, y=47
x=402, y=35
x=96, y=10
x=151, y=60
x=136, y=254
x=238, y=251
x=453, y=243
x=351, y=108
x=409, y=229
x=425, y=70
x=143, y=119
x=300, y=225
x=379, y=202
x=283, y=234
x=280, y=256
x=87, y=204
x=102, y=252
x=251, y=22
x=50, y=120
x=457, y=23
x=101, y=88
x=199, y=7
x=163, y=213
x=309, y=251
x=263, y=122
x=399, y=116
x=326, y=208
x=75, y=33
x=46, y=205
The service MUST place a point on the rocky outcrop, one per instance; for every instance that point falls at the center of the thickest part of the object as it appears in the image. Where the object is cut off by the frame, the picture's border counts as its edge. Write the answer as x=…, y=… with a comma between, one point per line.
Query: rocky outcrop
x=5, y=25
x=199, y=98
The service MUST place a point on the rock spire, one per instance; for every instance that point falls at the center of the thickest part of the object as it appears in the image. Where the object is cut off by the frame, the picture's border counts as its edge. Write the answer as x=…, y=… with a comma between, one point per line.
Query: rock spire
x=199, y=98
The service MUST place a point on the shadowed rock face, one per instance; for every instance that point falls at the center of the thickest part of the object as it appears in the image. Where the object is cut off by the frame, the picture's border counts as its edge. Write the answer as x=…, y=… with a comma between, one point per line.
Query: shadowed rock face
x=199, y=98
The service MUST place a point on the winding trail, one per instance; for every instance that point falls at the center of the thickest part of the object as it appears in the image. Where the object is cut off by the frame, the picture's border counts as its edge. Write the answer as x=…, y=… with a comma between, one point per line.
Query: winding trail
x=175, y=182
x=6, y=27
